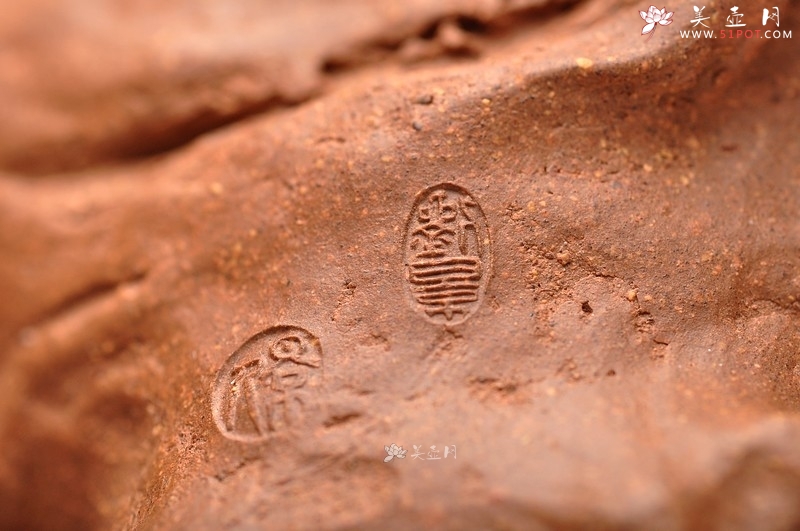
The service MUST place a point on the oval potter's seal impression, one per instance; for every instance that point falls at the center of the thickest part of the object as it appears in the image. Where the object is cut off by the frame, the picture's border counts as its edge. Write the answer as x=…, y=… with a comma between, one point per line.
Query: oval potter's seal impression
x=268, y=384
x=447, y=254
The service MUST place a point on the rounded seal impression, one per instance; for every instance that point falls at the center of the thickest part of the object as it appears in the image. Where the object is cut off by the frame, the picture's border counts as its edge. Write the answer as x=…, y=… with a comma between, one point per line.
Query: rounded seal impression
x=447, y=254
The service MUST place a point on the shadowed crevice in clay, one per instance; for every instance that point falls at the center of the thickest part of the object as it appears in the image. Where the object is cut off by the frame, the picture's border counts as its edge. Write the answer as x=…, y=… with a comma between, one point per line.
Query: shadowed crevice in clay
x=146, y=132
x=146, y=145
x=163, y=140
x=91, y=294
x=454, y=36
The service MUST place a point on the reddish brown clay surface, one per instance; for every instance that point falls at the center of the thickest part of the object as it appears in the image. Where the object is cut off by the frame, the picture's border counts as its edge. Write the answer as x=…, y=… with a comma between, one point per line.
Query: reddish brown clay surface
x=519, y=230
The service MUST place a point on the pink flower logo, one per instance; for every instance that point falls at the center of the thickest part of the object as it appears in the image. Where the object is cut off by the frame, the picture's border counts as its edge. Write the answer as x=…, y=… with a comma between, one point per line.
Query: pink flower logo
x=655, y=16
x=394, y=451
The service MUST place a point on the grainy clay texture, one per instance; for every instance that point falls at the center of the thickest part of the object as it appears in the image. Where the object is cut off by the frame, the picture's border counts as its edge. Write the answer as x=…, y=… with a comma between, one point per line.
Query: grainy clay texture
x=247, y=246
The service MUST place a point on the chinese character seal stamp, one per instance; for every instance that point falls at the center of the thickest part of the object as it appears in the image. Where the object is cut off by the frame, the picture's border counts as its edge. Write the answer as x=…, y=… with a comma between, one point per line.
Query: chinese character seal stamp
x=265, y=387
x=447, y=254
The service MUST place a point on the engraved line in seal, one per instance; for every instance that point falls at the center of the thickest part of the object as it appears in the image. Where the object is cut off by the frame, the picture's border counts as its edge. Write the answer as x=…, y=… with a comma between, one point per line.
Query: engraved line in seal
x=447, y=254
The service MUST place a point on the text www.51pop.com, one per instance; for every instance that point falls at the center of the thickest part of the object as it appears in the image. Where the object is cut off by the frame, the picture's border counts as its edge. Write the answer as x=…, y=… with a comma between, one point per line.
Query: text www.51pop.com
x=737, y=34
